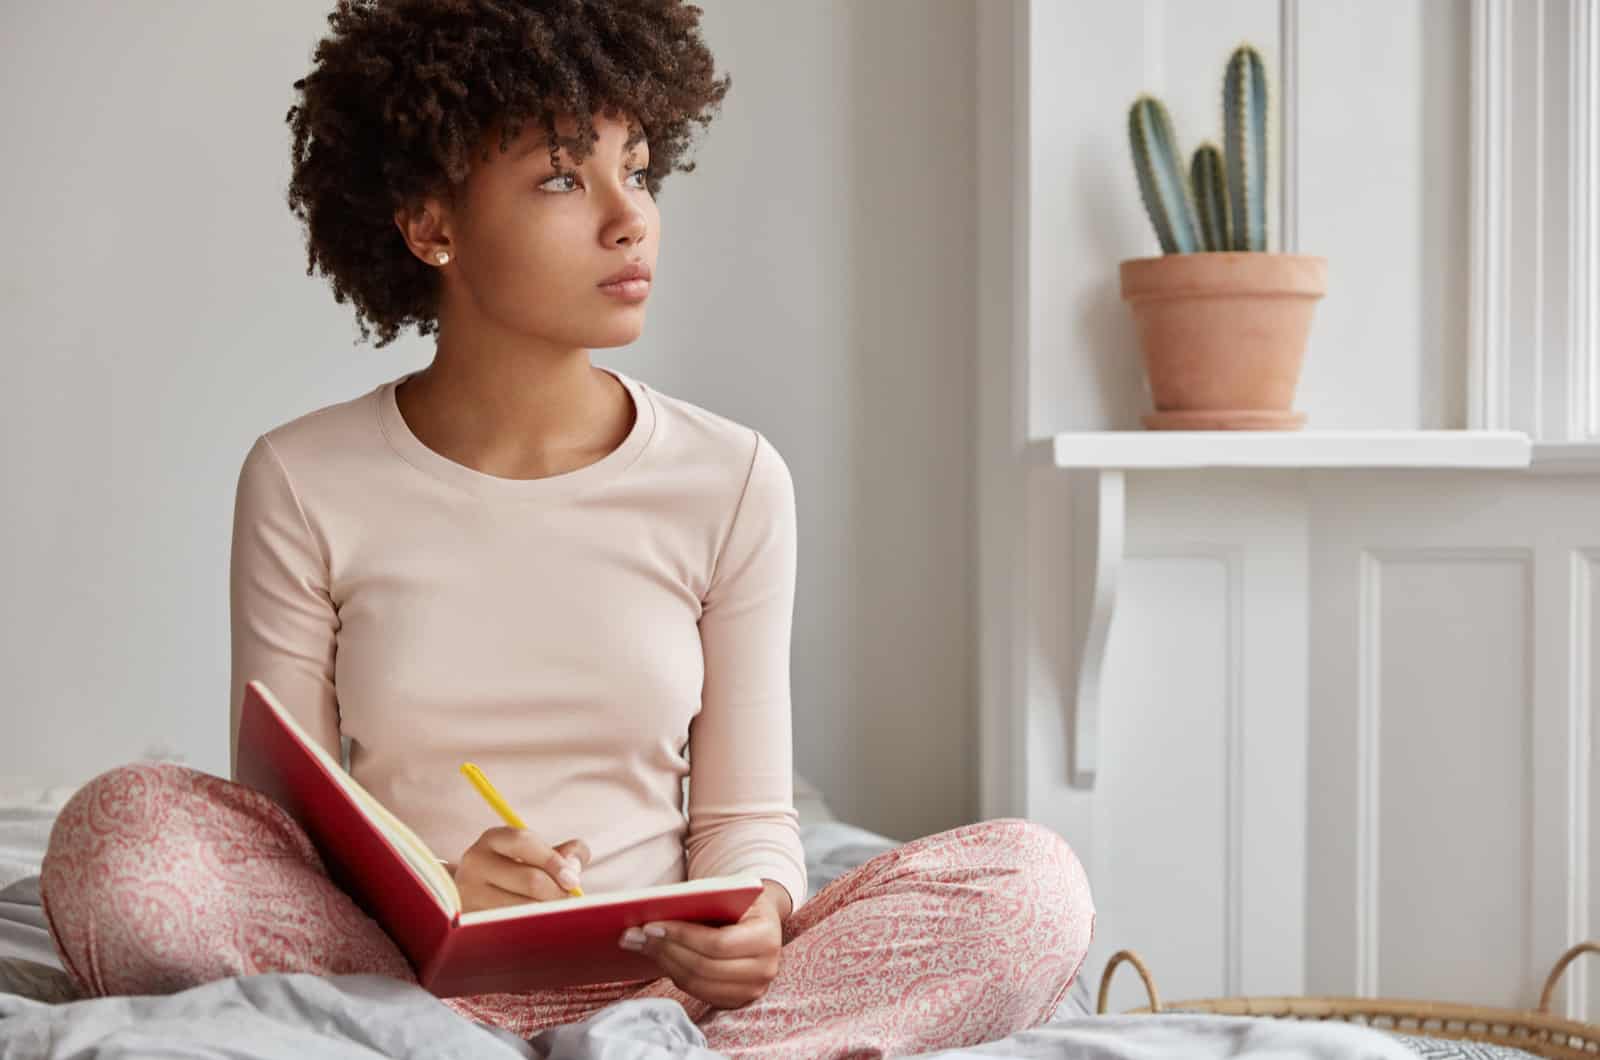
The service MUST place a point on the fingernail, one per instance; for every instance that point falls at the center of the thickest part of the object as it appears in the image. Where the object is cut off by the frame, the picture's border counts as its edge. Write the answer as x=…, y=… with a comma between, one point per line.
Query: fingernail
x=574, y=864
x=568, y=878
x=632, y=939
x=655, y=931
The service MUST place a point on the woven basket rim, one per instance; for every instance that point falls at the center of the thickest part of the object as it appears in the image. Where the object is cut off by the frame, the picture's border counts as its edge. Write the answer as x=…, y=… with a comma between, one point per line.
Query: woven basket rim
x=1518, y=1027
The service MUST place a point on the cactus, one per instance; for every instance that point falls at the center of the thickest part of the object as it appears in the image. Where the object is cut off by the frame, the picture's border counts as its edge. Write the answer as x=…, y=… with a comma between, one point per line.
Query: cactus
x=1244, y=119
x=1210, y=186
x=1221, y=203
x=1161, y=177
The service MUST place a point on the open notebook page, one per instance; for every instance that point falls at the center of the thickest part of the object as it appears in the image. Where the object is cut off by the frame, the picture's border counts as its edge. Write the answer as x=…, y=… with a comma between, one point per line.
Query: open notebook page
x=411, y=847
x=400, y=836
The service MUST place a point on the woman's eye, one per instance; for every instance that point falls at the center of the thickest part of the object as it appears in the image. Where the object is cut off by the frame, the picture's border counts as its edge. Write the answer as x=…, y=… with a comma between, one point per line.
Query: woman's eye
x=642, y=173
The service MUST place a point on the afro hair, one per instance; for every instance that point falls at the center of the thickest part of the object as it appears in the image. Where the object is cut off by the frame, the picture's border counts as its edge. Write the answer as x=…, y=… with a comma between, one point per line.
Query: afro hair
x=402, y=91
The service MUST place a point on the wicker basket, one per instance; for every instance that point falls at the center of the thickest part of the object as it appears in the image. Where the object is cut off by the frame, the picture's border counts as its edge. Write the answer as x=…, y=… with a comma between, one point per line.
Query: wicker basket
x=1535, y=1031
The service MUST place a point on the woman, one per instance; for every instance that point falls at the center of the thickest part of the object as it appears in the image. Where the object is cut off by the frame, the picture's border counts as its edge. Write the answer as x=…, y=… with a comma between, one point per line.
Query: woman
x=516, y=557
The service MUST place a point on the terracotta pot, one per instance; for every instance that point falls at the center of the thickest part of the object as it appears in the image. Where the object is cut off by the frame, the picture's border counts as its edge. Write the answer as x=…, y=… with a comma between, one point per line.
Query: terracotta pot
x=1223, y=334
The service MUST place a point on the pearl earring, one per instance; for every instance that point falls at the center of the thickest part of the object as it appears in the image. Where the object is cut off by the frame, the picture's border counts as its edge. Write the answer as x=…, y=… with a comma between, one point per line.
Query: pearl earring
x=442, y=258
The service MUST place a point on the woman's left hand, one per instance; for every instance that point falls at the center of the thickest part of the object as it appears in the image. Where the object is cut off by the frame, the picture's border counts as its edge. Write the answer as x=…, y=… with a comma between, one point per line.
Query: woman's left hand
x=728, y=966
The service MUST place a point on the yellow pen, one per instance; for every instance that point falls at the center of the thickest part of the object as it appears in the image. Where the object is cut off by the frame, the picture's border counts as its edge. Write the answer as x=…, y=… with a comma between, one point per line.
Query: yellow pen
x=492, y=797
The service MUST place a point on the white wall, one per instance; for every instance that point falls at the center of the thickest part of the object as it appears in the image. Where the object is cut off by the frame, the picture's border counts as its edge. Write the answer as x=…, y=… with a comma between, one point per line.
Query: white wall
x=816, y=281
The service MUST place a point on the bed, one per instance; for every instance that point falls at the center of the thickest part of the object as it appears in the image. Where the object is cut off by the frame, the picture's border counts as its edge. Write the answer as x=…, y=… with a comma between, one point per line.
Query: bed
x=308, y=1017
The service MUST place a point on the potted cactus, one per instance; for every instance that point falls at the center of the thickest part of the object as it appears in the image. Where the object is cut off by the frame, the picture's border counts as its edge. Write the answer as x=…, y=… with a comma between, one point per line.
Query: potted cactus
x=1222, y=323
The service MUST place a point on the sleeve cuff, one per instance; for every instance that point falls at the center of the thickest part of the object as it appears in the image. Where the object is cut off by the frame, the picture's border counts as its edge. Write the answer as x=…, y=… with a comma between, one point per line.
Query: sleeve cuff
x=796, y=888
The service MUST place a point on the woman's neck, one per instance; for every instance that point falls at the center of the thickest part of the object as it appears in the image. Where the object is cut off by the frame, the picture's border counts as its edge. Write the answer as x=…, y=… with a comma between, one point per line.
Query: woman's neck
x=512, y=416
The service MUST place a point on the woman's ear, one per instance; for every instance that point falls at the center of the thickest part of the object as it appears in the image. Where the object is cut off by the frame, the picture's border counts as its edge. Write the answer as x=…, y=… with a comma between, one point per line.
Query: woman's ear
x=422, y=225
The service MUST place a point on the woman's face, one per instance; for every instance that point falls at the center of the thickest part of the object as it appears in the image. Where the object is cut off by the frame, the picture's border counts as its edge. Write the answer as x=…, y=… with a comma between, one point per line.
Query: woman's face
x=530, y=243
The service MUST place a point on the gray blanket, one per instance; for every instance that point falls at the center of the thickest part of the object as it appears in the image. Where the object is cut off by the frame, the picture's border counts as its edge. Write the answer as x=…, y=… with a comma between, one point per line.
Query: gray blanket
x=257, y=1017
x=305, y=1017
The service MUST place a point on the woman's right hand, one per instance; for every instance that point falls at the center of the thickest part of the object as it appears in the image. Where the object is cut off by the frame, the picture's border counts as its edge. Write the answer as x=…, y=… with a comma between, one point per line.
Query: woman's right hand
x=508, y=866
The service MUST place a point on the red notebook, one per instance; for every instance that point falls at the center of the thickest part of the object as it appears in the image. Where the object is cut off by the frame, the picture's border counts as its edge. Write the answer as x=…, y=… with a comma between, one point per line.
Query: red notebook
x=401, y=884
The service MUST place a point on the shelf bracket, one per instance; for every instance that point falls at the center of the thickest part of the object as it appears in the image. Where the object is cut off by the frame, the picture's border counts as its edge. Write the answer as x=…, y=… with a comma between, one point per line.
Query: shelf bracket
x=1099, y=514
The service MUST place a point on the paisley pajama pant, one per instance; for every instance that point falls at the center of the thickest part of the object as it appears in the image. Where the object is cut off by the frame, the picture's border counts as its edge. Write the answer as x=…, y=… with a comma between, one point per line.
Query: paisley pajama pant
x=159, y=877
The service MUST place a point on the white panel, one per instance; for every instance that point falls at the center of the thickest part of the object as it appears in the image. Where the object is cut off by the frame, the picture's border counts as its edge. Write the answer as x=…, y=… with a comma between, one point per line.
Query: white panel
x=1488, y=337
x=1541, y=792
x=1446, y=902
x=1286, y=160
x=1272, y=756
x=1383, y=151
x=1585, y=749
x=1583, y=120
x=1243, y=535
x=1161, y=812
x=1525, y=267
x=1535, y=222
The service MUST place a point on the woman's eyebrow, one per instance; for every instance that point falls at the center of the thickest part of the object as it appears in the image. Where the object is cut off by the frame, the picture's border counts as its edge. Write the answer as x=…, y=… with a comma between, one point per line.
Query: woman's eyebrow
x=564, y=159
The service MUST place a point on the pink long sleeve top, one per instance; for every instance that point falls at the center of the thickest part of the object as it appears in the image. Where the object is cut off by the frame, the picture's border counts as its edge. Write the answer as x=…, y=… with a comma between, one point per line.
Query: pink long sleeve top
x=588, y=638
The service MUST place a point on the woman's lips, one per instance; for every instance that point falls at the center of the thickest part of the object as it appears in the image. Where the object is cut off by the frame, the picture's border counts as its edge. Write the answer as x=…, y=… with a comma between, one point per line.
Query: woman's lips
x=628, y=290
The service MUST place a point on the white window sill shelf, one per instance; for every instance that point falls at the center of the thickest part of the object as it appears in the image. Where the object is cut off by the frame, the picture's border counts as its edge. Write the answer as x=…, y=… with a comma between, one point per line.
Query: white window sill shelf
x=1129, y=450
x=1167, y=450
x=1101, y=459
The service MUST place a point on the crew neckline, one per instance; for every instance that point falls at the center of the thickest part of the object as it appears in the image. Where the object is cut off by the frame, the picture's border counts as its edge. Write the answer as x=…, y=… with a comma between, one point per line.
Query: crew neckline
x=494, y=487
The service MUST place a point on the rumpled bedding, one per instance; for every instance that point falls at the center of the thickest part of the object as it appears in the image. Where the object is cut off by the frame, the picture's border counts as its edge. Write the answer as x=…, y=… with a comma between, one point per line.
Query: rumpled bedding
x=271, y=1017
x=307, y=1017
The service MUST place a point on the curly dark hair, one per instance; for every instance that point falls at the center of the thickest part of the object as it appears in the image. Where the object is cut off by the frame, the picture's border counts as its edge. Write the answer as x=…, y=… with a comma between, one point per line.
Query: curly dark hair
x=402, y=91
